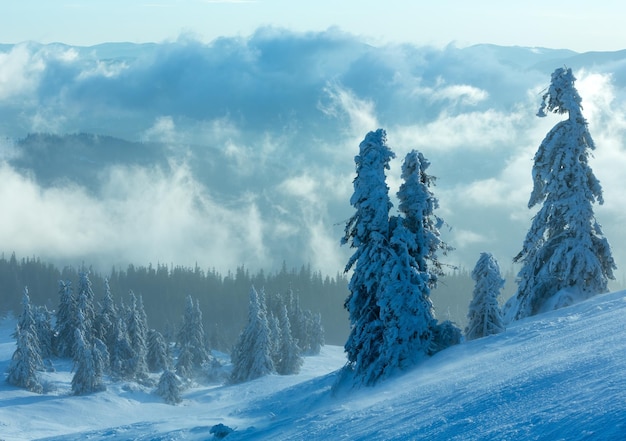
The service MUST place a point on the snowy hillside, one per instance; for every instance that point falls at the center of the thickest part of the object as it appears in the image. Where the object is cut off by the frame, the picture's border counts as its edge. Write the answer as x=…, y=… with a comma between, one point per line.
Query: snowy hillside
x=560, y=375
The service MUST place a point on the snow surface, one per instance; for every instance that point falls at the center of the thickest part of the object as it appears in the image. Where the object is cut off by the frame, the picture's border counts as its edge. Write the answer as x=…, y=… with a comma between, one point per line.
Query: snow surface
x=556, y=376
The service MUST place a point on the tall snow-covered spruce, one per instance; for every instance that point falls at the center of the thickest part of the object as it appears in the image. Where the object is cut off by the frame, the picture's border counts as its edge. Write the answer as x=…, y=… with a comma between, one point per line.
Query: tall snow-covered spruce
x=26, y=359
x=137, y=328
x=418, y=204
x=405, y=307
x=66, y=320
x=484, y=316
x=565, y=256
x=289, y=359
x=88, y=366
x=158, y=358
x=85, y=302
x=106, y=319
x=25, y=362
x=367, y=231
x=191, y=337
x=395, y=264
x=251, y=356
x=169, y=388
x=27, y=321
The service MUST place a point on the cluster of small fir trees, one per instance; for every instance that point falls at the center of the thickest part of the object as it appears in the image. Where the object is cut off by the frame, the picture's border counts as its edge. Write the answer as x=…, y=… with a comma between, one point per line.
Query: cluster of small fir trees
x=276, y=336
x=103, y=339
x=484, y=315
x=74, y=337
x=194, y=358
x=395, y=265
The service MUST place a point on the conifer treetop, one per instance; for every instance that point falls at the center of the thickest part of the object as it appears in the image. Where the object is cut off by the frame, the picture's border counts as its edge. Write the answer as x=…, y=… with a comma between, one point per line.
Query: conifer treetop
x=562, y=96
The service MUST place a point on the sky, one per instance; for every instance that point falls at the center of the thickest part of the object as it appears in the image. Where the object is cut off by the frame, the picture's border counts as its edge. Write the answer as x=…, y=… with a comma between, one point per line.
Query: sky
x=574, y=24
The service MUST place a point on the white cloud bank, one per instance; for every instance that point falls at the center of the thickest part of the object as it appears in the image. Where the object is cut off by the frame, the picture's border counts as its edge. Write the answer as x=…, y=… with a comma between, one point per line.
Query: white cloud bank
x=141, y=216
x=262, y=132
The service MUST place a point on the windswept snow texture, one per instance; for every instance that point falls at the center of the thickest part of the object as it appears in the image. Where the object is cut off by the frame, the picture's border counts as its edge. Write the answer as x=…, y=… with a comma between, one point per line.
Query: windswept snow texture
x=554, y=376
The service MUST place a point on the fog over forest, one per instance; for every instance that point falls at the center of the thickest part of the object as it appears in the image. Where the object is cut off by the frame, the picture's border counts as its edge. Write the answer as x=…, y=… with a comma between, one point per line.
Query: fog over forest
x=240, y=151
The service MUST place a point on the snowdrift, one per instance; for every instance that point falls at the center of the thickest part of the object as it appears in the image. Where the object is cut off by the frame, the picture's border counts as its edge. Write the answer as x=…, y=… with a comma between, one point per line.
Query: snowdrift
x=558, y=375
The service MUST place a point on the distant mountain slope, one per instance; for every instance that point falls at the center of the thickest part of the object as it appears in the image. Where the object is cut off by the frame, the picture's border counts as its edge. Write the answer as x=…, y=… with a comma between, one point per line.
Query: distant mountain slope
x=82, y=157
x=521, y=57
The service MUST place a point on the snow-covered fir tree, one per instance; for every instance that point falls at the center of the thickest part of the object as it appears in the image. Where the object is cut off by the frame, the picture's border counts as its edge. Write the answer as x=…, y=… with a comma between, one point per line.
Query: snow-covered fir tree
x=184, y=363
x=85, y=316
x=106, y=318
x=122, y=355
x=296, y=319
x=25, y=362
x=306, y=326
x=418, y=203
x=101, y=357
x=191, y=336
x=27, y=322
x=251, y=357
x=66, y=320
x=86, y=304
x=315, y=333
x=27, y=316
x=395, y=265
x=275, y=333
x=137, y=330
x=405, y=308
x=565, y=256
x=484, y=316
x=289, y=359
x=158, y=356
x=44, y=331
x=367, y=231
x=87, y=375
x=169, y=388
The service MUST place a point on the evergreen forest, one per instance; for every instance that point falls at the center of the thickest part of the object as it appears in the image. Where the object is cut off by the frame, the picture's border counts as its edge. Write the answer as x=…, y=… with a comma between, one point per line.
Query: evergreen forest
x=223, y=298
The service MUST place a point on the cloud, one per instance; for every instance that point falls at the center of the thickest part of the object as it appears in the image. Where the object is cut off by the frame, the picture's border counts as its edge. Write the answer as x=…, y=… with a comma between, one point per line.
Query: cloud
x=459, y=94
x=19, y=72
x=344, y=103
x=496, y=205
x=261, y=134
x=163, y=130
x=463, y=238
x=142, y=215
x=304, y=187
x=312, y=195
x=474, y=131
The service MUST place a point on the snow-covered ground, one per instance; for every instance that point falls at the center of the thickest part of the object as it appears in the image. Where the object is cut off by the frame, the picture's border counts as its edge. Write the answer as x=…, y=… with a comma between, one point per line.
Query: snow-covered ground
x=556, y=376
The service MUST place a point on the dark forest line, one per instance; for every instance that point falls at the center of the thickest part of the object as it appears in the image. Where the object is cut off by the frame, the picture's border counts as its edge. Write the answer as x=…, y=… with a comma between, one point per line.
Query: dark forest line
x=223, y=298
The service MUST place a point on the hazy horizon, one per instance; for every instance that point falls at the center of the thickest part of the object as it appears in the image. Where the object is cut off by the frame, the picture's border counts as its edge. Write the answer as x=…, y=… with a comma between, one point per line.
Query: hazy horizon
x=439, y=24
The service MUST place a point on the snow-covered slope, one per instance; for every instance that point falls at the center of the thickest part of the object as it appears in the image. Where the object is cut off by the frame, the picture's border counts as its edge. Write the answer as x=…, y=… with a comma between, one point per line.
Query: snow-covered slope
x=560, y=375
